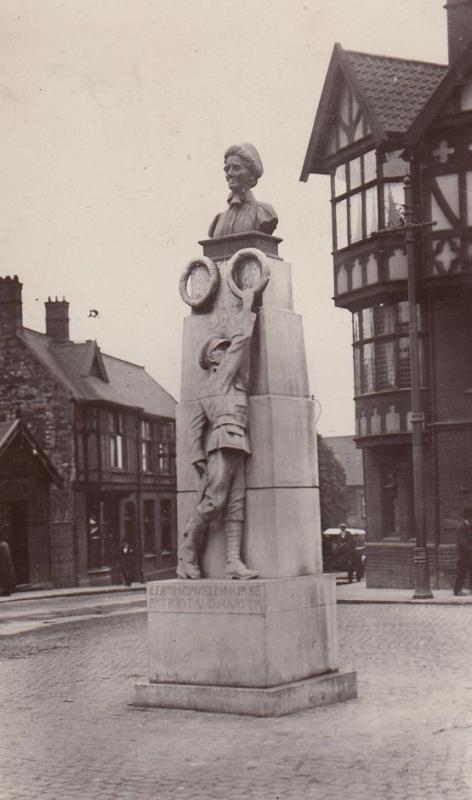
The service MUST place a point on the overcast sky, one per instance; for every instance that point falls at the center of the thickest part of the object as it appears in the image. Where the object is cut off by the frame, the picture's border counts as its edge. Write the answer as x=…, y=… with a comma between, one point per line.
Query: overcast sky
x=115, y=117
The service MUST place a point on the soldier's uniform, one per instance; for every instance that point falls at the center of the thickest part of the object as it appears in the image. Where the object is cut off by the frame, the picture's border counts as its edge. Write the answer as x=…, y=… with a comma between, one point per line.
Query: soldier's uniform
x=218, y=437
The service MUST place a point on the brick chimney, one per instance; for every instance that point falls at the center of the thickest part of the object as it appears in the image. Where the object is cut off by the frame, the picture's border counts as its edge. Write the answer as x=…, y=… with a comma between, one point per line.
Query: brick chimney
x=459, y=27
x=57, y=319
x=11, y=313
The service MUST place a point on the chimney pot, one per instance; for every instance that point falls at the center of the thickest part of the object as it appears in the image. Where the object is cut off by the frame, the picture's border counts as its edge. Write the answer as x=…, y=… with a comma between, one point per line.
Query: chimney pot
x=57, y=320
x=459, y=27
x=11, y=315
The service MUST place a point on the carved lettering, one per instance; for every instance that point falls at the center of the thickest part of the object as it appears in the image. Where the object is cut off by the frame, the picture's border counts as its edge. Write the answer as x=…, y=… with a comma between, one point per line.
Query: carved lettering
x=199, y=598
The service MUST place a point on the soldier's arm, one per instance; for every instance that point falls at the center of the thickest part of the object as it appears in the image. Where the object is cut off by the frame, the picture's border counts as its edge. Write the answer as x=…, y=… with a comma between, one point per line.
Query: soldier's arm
x=240, y=341
x=197, y=425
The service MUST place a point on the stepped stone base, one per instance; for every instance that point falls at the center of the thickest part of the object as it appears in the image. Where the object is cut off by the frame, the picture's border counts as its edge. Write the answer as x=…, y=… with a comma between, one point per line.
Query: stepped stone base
x=263, y=647
x=257, y=702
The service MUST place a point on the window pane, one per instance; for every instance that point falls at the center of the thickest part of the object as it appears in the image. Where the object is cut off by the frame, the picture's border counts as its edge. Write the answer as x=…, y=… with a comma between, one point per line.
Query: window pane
x=394, y=166
x=367, y=323
x=370, y=166
x=385, y=364
x=148, y=525
x=403, y=317
x=384, y=319
x=357, y=371
x=94, y=538
x=340, y=185
x=368, y=368
x=393, y=204
x=166, y=525
x=356, y=217
x=356, y=326
x=341, y=224
x=372, y=219
x=355, y=172
x=404, y=378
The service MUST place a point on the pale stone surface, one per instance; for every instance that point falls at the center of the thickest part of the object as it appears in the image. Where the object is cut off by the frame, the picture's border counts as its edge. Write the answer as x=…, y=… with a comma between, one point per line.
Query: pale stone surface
x=276, y=301
x=278, y=363
x=279, y=426
x=283, y=442
x=269, y=645
x=274, y=702
x=280, y=537
x=282, y=532
x=256, y=633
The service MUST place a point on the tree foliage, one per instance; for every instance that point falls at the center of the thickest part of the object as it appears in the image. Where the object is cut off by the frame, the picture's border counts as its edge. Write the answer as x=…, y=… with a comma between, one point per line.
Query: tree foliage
x=333, y=494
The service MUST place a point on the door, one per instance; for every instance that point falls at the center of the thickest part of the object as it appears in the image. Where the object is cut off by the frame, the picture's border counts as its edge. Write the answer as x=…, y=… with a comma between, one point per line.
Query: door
x=18, y=524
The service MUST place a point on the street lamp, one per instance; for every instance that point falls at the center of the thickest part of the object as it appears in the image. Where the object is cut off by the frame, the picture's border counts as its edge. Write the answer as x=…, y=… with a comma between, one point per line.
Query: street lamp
x=422, y=586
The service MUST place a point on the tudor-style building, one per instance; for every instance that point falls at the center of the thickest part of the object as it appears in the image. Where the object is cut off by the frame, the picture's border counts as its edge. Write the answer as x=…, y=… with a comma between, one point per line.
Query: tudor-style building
x=87, y=455
x=380, y=118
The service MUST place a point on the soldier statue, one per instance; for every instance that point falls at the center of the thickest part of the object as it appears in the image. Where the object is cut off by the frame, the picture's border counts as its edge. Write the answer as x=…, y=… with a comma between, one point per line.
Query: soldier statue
x=220, y=444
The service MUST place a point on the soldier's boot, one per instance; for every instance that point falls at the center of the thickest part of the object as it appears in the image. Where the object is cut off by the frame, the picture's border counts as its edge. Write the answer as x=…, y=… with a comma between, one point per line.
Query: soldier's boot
x=187, y=565
x=235, y=568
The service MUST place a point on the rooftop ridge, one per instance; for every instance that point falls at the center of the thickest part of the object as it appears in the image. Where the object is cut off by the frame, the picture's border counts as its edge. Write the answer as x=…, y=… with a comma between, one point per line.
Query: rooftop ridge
x=397, y=58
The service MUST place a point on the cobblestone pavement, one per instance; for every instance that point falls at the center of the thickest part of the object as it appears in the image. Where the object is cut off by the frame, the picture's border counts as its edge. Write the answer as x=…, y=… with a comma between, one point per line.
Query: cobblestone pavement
x=67, y=731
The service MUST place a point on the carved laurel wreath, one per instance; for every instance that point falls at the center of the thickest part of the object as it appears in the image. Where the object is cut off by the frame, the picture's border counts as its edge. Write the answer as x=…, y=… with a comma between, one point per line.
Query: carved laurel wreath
x=213, y=281
x=242, y=257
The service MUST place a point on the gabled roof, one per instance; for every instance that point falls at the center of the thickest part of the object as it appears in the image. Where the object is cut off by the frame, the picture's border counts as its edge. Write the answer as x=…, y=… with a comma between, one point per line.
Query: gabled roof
x=88, y=374
x=390, y=91
x=13, y=431
x=442, y=93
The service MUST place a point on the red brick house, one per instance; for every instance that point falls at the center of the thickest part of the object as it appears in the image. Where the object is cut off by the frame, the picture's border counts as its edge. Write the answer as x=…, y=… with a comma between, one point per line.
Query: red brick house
x=87, y=455
x=379, y=118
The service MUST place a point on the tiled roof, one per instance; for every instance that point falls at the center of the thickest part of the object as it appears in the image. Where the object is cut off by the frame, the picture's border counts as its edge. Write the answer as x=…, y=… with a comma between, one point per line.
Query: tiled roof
x=396, y=89
x=128, y=384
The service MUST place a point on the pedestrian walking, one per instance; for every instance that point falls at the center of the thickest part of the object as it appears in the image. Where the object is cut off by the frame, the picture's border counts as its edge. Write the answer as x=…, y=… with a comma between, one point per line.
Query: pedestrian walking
x=464, y=552
x=347, y=550
x=7, y=570
x=127, y=562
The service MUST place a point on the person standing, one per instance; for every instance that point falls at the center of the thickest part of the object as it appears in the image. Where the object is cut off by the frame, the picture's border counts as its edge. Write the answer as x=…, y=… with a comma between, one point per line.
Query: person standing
x=7, y=570
x=347, y=550
x=464, y=552
x=127, y=562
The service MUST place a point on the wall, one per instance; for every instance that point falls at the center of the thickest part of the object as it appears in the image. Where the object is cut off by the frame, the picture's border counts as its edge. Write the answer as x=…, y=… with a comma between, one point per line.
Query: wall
x=47, y=411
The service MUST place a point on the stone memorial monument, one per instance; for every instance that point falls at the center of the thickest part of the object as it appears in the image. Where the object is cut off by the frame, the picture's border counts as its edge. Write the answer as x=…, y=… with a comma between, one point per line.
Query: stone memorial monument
x=249, y=624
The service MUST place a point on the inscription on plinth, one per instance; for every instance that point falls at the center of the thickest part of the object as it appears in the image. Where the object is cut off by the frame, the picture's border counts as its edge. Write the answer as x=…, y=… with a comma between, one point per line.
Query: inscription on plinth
x=199, y=598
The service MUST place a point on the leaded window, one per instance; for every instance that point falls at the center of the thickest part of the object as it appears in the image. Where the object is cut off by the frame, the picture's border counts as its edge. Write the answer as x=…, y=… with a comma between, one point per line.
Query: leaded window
x=381, y=348
x=367, y=194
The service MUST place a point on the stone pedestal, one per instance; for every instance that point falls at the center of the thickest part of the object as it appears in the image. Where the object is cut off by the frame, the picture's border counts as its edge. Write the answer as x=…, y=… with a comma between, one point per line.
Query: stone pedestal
x=263, y=647
x=266, y=646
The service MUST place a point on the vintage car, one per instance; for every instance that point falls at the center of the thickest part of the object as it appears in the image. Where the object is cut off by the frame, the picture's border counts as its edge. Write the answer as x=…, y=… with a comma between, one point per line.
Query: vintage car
x=346, y=555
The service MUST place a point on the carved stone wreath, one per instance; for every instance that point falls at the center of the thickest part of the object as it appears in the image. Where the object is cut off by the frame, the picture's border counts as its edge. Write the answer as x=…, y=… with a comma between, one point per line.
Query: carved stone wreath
x=242, y=268
x=200, y=300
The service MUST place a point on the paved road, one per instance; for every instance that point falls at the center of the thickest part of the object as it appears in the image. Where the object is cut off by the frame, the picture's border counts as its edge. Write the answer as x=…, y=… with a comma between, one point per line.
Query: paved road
x=18, y=614
x=67, y=731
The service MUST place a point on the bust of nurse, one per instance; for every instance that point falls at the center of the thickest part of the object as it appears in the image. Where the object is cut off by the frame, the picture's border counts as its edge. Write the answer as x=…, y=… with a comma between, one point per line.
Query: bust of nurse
x=243, y=168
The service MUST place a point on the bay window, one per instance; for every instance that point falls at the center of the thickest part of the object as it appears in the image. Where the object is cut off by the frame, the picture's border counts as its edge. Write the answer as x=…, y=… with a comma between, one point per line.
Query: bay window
x=367, y=195
x=381, y=348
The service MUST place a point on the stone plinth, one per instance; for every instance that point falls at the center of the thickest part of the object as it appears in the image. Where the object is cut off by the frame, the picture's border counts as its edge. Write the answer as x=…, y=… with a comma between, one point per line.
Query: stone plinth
x=274, y=702
x=244, y=647
x=282, y=536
